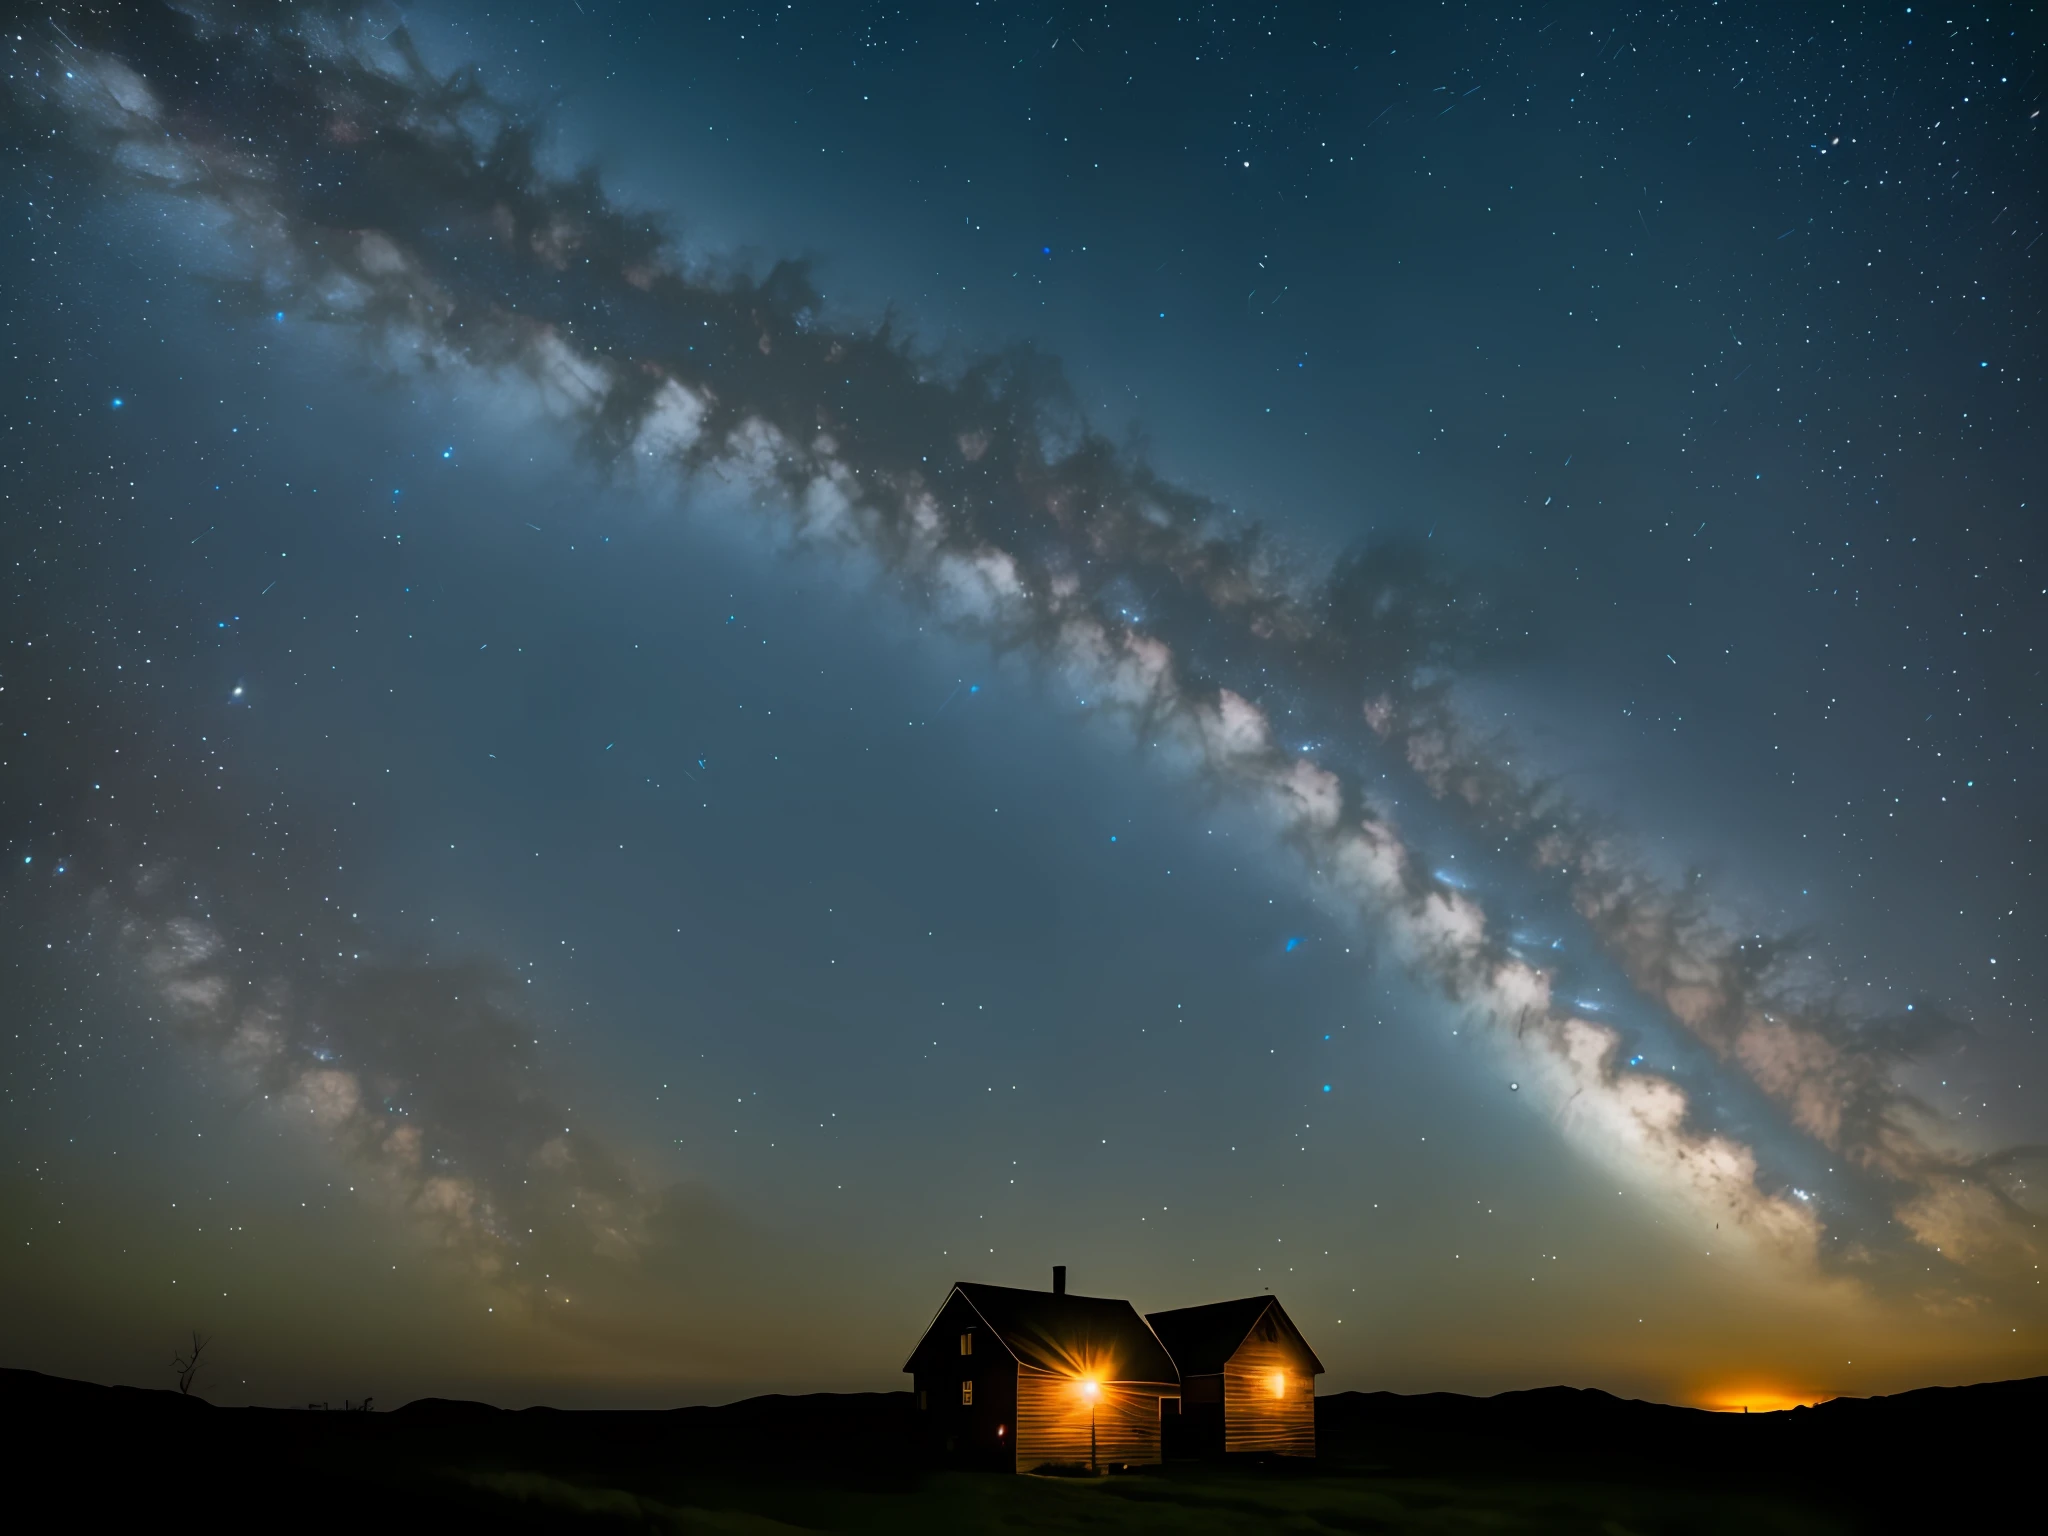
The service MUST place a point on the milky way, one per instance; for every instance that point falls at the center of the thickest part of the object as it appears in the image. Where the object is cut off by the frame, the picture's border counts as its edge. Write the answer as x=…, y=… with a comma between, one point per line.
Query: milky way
x=415, y=213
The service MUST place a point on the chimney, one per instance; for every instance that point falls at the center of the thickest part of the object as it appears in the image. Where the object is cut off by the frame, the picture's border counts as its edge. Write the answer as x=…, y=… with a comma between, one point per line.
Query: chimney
x=1059, y=1279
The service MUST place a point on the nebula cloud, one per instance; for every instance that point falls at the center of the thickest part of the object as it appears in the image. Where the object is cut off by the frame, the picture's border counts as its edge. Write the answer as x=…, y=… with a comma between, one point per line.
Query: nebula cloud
x=424, y=1076
x=1747, y=998
x=414, y=210
x=428, y=1082
x=417, y=1074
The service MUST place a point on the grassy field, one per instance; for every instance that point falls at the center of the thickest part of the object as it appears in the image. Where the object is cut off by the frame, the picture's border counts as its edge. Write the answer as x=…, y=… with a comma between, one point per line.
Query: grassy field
x=1193, y=1500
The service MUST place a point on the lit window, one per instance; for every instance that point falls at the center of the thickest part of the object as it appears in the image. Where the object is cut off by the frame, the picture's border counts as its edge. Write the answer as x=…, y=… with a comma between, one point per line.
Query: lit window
x=967, y=1342
x=1279, y=1383
x=966, y=1394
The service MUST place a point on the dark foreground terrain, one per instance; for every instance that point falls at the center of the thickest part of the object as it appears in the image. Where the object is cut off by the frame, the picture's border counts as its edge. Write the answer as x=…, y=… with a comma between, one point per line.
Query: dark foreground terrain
x=91, y=1457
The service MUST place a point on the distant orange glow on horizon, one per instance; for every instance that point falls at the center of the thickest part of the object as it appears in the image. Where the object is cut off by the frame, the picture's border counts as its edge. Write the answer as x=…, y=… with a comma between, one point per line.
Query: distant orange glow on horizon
x=1758, y=1399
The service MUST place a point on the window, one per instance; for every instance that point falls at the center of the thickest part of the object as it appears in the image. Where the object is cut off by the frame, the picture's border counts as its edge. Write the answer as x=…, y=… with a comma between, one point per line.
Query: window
x=967, y=1342
x=966, y=1394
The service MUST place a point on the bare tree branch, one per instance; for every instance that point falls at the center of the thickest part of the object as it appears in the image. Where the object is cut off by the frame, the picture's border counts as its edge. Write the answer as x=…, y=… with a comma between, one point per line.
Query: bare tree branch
x=187, y=1365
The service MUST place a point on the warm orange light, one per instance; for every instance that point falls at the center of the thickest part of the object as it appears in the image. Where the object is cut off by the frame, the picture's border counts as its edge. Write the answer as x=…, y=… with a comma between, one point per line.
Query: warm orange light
x=1758, y=1399
x=1278, y=1383
x=1091, y=1389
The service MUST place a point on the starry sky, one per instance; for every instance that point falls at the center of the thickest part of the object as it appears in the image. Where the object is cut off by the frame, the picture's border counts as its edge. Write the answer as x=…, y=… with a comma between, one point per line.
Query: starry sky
x=671, y=675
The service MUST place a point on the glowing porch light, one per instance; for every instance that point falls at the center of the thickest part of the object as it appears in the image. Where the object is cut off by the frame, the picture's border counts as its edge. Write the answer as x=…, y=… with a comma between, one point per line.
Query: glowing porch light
x=1090, y=1388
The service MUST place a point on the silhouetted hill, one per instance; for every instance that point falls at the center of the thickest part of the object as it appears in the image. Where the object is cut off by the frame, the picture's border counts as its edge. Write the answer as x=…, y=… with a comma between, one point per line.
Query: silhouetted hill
x=1887, y=1462
x=32, y=1392
x=1924, y=1459
x=827, y=1430
x=1585, y=1425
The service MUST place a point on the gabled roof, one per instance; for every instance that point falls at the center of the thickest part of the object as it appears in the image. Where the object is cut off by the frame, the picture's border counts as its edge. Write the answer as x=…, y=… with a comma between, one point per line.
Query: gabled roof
x=1202, y=1339
x=1071, y=1335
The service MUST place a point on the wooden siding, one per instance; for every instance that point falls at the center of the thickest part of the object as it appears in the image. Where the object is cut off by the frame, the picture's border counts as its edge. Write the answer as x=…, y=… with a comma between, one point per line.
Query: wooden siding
x=1255, y=1418
x=1052, y=1421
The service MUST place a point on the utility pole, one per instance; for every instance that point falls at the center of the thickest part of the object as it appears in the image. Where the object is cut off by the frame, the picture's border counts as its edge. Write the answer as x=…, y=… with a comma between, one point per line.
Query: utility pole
x=1092, y=1390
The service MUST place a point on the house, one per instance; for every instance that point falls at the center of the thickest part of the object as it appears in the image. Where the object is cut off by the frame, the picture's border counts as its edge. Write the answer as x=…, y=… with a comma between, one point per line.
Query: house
x=1012, y=1380
x=1247, y=1379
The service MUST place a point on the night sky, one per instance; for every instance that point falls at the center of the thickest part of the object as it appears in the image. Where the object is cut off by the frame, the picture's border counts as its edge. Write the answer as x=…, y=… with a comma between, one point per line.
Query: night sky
x=671, y=678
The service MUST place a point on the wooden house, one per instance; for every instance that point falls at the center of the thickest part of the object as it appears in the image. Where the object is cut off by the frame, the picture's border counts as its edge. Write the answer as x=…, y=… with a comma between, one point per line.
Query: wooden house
x=1247, y=1380
x=1014, y=1380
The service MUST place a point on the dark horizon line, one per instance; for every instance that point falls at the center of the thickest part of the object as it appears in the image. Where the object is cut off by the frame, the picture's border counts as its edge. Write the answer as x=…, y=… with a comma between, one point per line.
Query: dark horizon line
x=21, y=1376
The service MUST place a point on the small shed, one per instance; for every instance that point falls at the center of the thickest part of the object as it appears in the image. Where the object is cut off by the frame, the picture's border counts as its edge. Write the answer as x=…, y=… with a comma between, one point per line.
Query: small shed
x=1014, y=1380
x=1247, y=1379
